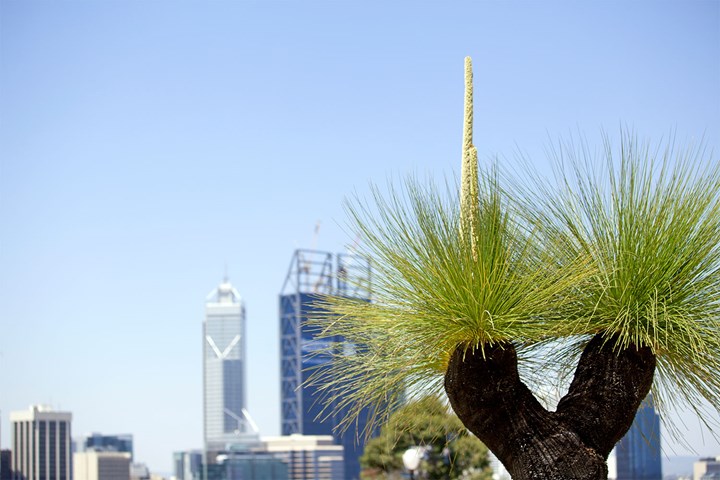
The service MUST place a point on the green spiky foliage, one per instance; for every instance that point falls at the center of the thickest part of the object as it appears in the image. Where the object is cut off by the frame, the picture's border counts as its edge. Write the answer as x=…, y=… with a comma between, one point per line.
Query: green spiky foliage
x=649, y=217
x=630, y=250
x=433, y=291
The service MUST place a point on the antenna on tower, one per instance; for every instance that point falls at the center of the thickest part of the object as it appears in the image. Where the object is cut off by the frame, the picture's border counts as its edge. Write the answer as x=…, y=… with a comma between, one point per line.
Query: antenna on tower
x=225, y=274
x=316, y=233
x=305, y=264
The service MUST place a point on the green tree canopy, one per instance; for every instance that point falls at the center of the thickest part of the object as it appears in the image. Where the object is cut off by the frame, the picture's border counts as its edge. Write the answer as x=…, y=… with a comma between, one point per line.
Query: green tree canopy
x=452, y=453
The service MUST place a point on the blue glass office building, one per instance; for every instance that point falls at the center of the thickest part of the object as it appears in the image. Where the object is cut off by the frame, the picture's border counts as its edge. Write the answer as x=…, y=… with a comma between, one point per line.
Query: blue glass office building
x=638, y=453
x=105, y=443
x=312, y=273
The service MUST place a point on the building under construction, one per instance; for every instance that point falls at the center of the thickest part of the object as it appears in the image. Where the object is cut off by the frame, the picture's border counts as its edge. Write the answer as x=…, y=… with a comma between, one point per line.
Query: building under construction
x=314, y=273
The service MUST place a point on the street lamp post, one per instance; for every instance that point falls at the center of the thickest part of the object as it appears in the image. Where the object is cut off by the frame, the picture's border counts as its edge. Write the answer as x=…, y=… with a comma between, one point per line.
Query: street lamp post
x=411, y=459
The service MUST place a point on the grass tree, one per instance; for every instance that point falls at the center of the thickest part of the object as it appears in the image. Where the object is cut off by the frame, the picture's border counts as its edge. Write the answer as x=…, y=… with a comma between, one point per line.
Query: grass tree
x=611, y=276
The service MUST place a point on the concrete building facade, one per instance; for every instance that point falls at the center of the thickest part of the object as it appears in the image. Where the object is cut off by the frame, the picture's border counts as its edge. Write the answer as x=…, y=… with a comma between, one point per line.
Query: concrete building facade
x=308, y=457
x=41, y=444
x=101, y=465
x=707, y=468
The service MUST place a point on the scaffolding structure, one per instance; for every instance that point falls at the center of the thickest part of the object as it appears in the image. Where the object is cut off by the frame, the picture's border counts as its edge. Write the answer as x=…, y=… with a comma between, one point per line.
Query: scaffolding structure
x=313, y=274
x=322, y=273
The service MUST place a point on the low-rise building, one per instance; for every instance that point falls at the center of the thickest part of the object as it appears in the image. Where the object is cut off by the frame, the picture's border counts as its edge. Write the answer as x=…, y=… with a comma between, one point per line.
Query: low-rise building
x=707, y=468
x=104, y=443
x=98, y=465
x=5, y=460
x=188, y=465
x=309, y=457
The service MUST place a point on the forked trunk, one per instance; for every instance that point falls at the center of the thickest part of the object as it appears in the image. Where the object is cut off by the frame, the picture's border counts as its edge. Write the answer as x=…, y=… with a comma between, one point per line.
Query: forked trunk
x=573, y=442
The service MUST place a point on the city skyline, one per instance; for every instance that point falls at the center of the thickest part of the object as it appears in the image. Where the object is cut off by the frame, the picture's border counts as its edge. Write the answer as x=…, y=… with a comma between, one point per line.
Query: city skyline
x=146, y=145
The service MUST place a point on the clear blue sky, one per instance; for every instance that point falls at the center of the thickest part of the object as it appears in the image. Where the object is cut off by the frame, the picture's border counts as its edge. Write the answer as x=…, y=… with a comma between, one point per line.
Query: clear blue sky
x=144, y=145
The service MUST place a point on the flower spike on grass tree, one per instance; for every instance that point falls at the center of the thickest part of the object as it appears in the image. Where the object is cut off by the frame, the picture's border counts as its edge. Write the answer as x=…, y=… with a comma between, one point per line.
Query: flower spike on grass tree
x=469, y=200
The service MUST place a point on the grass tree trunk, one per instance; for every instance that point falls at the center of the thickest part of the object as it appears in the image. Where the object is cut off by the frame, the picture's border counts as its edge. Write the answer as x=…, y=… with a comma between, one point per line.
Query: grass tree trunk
x=571, y=443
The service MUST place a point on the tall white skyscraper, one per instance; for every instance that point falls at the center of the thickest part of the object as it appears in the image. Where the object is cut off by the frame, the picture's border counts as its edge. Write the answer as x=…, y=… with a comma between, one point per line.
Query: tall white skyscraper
x=41, y=444
x=226, y=420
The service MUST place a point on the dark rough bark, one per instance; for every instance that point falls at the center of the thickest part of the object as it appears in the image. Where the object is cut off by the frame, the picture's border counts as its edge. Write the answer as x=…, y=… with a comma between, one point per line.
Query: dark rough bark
x=571, y=443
